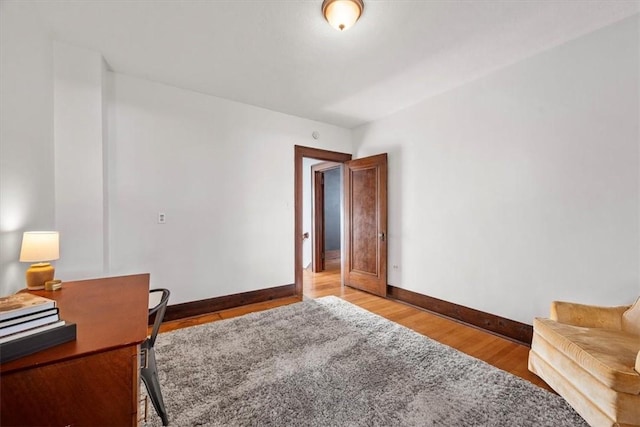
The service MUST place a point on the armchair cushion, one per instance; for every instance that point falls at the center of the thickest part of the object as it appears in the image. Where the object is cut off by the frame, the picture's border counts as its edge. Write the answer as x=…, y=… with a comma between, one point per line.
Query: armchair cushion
x=606, y=354
x=588, y=316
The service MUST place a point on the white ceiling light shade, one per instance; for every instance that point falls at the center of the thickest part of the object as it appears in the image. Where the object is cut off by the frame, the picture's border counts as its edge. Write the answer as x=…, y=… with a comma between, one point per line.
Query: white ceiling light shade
x=342, y=14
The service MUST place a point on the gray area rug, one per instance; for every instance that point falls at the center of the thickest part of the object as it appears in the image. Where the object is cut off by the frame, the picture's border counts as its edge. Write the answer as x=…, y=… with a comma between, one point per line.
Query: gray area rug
x=326, y=362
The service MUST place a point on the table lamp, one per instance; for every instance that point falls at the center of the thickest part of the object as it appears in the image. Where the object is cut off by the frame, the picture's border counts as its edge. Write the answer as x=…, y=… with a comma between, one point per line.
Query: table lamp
x=39, y=247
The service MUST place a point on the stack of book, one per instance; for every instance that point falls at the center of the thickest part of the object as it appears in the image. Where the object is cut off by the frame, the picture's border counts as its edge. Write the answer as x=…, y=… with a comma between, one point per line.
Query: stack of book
x=30, y=323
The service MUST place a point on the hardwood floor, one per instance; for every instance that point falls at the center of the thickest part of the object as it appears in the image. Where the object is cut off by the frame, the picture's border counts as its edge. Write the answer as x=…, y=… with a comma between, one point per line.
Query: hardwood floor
x=499, y=352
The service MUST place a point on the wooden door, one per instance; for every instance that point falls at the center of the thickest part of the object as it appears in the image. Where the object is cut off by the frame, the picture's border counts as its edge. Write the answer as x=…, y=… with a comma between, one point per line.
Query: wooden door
x=365, y=191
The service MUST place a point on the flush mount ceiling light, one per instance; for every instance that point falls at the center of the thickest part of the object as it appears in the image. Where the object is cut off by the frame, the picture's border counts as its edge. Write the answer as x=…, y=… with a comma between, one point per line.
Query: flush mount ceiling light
x=342, y=14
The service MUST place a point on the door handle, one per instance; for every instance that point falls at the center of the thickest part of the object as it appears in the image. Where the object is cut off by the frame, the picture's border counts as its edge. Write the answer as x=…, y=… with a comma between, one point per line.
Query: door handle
x=381, y=236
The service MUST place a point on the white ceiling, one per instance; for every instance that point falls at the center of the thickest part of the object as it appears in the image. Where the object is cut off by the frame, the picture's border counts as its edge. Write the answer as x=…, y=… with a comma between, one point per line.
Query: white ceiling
x=282, y=55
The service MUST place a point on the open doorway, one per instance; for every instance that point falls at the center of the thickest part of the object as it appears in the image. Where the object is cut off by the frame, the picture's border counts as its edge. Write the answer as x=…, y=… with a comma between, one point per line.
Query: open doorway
x=364, y=257
x=322, y=207
x=326, y=216
x=306, y=235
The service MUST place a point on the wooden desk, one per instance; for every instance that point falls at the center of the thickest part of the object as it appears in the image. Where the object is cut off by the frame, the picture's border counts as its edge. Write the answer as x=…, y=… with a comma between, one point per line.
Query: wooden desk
x=94, y=380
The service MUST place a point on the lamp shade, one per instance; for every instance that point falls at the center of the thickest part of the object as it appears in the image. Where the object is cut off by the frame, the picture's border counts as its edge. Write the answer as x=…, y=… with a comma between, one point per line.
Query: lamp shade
x=38, y=246
x=342, y=14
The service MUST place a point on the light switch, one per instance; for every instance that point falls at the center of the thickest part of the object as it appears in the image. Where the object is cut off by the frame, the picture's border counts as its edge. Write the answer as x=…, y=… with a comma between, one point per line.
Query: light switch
x=162, y=218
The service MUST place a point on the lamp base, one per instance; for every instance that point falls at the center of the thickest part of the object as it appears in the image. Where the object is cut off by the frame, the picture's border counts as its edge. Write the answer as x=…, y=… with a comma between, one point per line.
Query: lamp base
x=37, y=274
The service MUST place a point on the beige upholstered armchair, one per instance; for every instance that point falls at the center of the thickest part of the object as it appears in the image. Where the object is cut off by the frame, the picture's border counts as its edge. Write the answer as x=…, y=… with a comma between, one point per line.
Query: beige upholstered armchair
x=591, y=356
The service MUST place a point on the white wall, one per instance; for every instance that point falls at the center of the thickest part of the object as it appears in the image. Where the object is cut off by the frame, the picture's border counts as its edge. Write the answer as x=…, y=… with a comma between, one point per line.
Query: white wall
x=223, y=174
x=521, y=187
x=78, y=142
x=26, y=136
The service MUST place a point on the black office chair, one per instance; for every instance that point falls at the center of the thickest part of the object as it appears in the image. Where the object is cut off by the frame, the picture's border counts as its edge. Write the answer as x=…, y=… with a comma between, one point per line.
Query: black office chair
x=149, y=372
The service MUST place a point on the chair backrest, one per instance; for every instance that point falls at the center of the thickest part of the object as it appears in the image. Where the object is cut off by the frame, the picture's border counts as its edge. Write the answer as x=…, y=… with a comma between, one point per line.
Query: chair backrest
x=158, y=310
x=631, y=319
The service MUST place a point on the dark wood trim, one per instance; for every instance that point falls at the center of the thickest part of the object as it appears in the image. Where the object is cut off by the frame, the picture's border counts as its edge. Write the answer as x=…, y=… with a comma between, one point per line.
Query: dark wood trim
x=507, y=328
x=300, y=153
x=317, y=221
x=205, y=306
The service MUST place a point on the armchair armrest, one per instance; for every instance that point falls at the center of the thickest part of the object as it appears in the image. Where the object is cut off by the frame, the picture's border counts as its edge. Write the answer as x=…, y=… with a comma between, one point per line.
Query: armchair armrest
x=588, y=316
